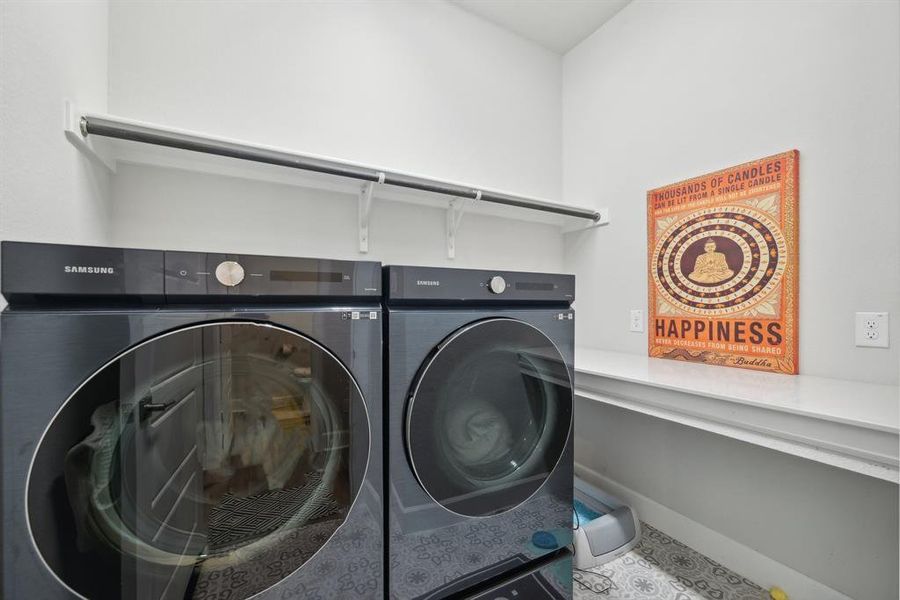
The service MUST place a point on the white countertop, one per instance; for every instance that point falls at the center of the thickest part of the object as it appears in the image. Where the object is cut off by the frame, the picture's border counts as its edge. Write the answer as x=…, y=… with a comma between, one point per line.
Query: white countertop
x=870, y=405
x=847, y=424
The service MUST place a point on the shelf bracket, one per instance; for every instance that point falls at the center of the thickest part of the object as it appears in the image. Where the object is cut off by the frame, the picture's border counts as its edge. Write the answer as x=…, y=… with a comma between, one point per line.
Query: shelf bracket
x=72, y=126
x=576, y=225
x=455, y=210
x=365, y=211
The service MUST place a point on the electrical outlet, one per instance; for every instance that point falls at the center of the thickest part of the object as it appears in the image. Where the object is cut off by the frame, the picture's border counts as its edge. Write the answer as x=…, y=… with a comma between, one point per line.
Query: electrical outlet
x=873, y=329
x=637, y=320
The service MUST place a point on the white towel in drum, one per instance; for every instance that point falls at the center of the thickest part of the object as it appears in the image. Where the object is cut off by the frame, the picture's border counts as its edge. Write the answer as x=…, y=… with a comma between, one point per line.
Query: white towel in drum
x=477, y=432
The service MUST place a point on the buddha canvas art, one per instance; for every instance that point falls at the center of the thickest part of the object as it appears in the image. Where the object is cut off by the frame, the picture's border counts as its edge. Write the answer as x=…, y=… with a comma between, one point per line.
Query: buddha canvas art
x=722, y=267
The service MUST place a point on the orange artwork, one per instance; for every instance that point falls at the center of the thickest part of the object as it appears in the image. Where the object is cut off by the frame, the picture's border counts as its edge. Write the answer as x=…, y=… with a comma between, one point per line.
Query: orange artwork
x=722, y=260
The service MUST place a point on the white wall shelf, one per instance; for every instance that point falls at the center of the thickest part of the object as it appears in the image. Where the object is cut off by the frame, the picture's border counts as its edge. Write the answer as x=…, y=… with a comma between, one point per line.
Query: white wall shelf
x=846, y=424
x=109, y=140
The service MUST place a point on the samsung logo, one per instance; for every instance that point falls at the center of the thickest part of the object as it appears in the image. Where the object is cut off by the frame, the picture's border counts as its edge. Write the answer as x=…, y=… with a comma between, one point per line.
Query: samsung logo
x=427, y=282
x=95, y=270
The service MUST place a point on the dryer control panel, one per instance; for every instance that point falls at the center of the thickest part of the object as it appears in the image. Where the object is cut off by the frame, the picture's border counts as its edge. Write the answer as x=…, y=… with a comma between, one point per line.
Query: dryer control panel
x=32, y=271
x=406, y=284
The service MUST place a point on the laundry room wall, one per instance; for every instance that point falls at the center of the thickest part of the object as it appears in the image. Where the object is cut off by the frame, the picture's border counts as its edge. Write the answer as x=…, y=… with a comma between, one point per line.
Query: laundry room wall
x=667, y=91
x=48, y=52
x=171, y=208
x=422, y=87
x=670, y=90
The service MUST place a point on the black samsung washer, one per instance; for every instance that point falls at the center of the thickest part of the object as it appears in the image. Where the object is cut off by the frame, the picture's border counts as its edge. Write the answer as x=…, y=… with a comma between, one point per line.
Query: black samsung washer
x=189, y=425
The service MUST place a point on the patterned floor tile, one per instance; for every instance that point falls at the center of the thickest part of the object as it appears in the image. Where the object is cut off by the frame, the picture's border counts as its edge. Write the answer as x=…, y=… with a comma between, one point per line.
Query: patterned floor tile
x=662, y=568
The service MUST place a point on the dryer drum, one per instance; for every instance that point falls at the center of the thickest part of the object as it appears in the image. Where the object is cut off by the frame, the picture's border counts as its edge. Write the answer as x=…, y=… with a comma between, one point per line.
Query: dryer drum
x=207, y=452
x=489, y=417
x=484, y=443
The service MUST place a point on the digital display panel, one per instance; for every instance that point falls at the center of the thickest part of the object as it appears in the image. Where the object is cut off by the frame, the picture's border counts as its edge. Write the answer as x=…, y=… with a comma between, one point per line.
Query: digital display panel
x=307, y=276
x=534, y=286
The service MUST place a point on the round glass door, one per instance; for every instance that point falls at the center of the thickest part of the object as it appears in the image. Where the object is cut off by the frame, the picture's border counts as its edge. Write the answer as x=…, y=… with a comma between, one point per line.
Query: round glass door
x=208, y=462
x=488, y=417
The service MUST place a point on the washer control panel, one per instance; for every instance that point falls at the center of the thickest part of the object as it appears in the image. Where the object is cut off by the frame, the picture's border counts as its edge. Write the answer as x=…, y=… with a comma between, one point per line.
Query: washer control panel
x=31, y=271
x=211, y=274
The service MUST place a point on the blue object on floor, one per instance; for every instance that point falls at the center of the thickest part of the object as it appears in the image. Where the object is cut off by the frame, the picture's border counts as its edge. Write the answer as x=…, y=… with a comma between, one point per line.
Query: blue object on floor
x=544, y=540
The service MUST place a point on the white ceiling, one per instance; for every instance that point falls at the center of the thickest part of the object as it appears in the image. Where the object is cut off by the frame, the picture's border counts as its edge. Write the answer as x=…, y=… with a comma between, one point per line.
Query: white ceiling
x=558, y=25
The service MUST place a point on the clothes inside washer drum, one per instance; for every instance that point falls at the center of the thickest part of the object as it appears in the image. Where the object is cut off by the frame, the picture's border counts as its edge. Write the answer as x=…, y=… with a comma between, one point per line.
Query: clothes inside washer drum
x=96, y=449
x=87, y=472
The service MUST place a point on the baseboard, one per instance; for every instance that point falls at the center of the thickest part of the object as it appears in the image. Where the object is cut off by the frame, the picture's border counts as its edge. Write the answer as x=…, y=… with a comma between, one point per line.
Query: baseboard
x=748, y=562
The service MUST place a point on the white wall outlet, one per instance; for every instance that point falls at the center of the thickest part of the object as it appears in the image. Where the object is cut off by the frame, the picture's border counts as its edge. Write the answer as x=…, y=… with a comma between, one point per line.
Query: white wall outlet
x=873, y=329
x=637, y=320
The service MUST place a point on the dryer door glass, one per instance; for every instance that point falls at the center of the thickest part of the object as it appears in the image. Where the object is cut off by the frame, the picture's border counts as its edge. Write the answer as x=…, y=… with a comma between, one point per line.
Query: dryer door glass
x=208, y=462
x=488, y=417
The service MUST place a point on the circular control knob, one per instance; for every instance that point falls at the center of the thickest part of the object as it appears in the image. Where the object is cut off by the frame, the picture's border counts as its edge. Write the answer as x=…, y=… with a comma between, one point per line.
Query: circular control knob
x=497, y=284
x=229, y=273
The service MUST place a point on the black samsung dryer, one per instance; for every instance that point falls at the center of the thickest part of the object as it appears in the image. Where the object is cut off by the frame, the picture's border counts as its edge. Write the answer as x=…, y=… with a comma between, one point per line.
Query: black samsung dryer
x=478, y=404
x=189, y=425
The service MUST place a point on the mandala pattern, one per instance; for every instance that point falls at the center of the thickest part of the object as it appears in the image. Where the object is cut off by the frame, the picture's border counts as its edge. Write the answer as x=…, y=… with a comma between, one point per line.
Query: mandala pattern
x=752, y=251
x=662, y=568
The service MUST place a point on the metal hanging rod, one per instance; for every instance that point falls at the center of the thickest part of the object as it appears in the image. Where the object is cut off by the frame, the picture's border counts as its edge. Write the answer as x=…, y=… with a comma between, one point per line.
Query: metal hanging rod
x=148, y=134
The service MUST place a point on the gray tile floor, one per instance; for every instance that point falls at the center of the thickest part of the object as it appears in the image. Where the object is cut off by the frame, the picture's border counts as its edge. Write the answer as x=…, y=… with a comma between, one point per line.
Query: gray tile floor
x=662, y=568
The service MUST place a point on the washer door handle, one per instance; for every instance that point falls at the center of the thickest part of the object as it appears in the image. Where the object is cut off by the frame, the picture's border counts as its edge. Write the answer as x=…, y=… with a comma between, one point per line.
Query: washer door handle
x=147, y=407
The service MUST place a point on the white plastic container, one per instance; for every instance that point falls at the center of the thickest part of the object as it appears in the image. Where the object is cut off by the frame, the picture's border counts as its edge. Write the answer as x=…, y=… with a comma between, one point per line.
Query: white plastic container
x=605, y=528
